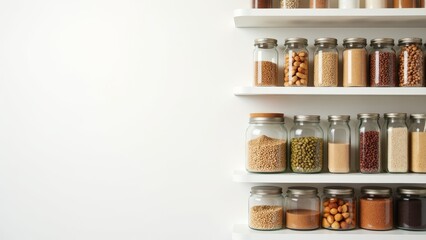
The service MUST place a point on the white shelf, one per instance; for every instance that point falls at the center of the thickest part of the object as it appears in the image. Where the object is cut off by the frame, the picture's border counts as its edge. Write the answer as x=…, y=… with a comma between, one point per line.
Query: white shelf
x=331, y=18
x=243, y=232
x=330, y=91
x=406, y=178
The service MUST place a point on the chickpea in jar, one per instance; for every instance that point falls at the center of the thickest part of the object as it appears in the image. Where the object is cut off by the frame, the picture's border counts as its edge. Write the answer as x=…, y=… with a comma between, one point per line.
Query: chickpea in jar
x=296, y=62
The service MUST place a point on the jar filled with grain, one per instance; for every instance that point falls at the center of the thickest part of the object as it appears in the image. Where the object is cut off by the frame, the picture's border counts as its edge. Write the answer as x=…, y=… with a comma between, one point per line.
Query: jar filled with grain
x=418, y=143
x=411, y=208
x=290, y=4
x=306, y=144
x=396, y=142
x=410, y=62
x=355, y=62
x=404, y=3
x=376, y=208
x=382, y=63
x=326, y=63
x=266, y=143
x=319, y=4
x=262, y=4
x=296, y=62
x=302, y=206
x=339, y=208
x=339, y=144
x=349, y=4
x=376, y=4
x=266, y=210
x=369, y=143
x=265, y=58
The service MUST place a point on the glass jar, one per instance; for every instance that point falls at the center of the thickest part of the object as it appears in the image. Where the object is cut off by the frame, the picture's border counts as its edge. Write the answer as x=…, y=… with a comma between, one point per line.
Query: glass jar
x=306, y=144
x=302, y=206
x=396, y=142
x=410, y=62
x=339, y=144
x=369, y=142
x=422, y=3
x=355, y=62
x=418, y=143
x=266, y=210
x=326, y=63
x=382, y=63
x=411, y=208
x=265, y=58
x=290, y=4
x=376, y=208
x=319, y=4
x=262, y=4
x=404, y=3
x=348, y=4
x=376, y=4
x=339, y=208
x=266, y=143
x=296, y=62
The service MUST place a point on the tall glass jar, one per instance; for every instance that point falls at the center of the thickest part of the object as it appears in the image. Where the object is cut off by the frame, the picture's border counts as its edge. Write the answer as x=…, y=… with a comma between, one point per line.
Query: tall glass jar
x=339, y=144
x=348, y=4
x=355, y=62
x=290, y=4
x=410, y=62
x=296, y=62
x=369, y=142
x=376, y=3
x=418, y=143
x=319, y=4
x=422, y=3
x=266, y=143
x=396, y=142
x=302, y=206
x=265, y=58
x=266, y=210
x=339, y=208
x=382, y=63
x=411, y=208
x=262, y=4
x=404, y=3
x=326, y=63
x=306, y=144
x=376, y=208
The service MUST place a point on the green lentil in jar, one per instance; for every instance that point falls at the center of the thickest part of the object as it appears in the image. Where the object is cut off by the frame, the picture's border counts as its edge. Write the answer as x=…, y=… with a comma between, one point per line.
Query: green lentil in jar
x=306, y=154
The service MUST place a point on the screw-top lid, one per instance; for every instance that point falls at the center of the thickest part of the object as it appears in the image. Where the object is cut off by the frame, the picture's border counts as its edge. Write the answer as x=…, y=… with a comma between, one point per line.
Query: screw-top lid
x=296, y=40
x=345, y=118
x=302, y=190
x=266, y=118
x=368, y=116
x=266, y=190
x=306, y=118
x=348, y=41
x=415, y=40
x=266, y=42
x=396, y=115
x=325, y=40
x=376, y=190
x=412, y=190
x=418, y=116
x=382, y=42
x=339, y=190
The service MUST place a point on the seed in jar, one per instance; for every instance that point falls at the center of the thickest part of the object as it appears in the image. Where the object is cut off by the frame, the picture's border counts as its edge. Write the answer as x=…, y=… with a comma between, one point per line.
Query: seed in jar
x=266, y=154
x=265, y=217
x=265, y=73
x=307, y=154
x=326, y=69
x=290, y=4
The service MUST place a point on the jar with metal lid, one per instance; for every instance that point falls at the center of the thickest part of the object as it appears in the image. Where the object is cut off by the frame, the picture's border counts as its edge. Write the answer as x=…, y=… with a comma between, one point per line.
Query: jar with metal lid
x=326, y=63
x=404, y=3
x=266, y=143
x=290, y=4
x=349, y=4
x=376, y=4
x=376, y=208
x=410, y=62
x=411, y=208
x=369, y=142
x=296, y=62
x=418, y=143
x=265, y=58
x=355, y=62
x=302, y=206
x=306, y=144
x=396, y=142
x=339, y=208
x=319, y=4
x=382, y=63
x=262, y=4
x=266, y=210
x=339, y=144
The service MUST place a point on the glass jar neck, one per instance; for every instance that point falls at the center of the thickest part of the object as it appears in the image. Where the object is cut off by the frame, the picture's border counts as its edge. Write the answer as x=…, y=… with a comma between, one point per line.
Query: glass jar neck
x=337, y=123
x=396, y=120
x=295, y=45
x=354, y=45
x=326, y=45
x=305, y=123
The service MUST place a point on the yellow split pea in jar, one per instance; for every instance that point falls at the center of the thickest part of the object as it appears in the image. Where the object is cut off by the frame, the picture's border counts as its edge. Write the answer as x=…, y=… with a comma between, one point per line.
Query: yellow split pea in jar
x=296, y=62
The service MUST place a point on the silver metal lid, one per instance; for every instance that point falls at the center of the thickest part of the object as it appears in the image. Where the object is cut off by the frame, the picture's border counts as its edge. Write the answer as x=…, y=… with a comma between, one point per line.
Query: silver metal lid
x=266, y=190
x=396, y=115
x=414, y=40
x=362, y=41
x=345, y=118
x=383, y=41
x=376, y=190
x=368, y=116
x=325, y=40
x=412, y=190
x=339, y=190
x=266, y=118
x=418, y=116
x=302, y=190
x=266, y=42
x=296, y=40
x=306, y=118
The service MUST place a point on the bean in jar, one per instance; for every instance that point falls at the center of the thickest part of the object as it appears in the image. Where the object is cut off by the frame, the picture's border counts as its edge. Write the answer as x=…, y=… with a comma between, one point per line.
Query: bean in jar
x=290, y=4
x=339, y=208
x=296, y=62
x=319, y=4
x=410, y=62
x=369, y=143
x=382, y=63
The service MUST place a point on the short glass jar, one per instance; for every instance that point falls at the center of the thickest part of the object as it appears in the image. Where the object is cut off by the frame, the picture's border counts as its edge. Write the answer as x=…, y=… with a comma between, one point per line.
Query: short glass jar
x=290, y=4
x=349, y=4
x=262, y=4
x=404, y=3
x=411, y=208
x=319, y=4
x=265, y=57
x=411, y=71
x=369, y=142
x=339, y=208
x=266, y=143
x=376, y=208
x=382, y=63
x=306, y=144
x=266, y=210
x=339, y=144
x=296, y=62
x=355, y=62
x=375, y=4
x=302, y=206
x=418, y=143
x=326, y=63
x=396, y=142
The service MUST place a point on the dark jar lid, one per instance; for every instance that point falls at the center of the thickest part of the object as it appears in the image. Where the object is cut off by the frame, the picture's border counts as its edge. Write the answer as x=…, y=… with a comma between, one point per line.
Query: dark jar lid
x=302, y=190
x=266, y=118
x=266, y=190
x=376, y=190
x=337, y=190
x=411, y=191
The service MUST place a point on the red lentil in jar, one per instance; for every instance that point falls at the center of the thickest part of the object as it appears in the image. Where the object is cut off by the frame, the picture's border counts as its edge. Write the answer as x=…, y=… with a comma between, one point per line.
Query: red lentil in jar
x=382, y=63
x=376, y=208
x=369, y=142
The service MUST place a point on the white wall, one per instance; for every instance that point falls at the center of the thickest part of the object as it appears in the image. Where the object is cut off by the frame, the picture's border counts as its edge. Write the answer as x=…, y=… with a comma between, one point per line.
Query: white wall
x=118, y=121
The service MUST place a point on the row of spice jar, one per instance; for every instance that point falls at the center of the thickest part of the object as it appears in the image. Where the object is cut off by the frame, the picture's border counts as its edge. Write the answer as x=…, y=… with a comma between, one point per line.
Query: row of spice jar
x=344, y=4
x=404, y=148
x=337, y=209
x=379, y=67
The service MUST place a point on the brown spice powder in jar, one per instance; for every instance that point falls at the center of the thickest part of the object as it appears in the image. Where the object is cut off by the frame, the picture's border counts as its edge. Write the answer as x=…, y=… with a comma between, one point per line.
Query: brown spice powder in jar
x=302, y=219
x=355, y=68
x=376, y=213
x=266, y=154
x=418, y=152
x=319, y=4
x=262, y=4
x=404, y=3
x=338, y=157
x=265, y=73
